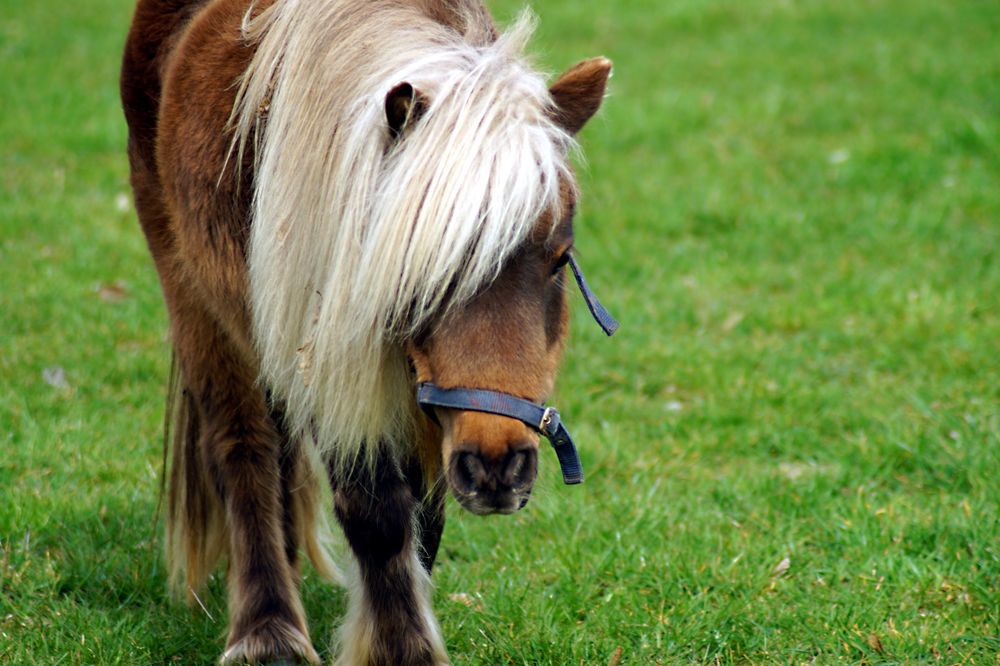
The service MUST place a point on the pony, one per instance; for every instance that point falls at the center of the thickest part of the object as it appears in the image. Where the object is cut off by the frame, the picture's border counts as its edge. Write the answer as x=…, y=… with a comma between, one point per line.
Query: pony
x=345, y=200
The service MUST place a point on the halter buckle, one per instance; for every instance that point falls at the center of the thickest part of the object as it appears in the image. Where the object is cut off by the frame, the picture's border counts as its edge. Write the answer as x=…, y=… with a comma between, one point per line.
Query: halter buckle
x=550, y=422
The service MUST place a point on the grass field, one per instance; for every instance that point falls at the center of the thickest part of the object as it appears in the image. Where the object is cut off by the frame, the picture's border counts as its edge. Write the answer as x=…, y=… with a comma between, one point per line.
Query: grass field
x=792, y=446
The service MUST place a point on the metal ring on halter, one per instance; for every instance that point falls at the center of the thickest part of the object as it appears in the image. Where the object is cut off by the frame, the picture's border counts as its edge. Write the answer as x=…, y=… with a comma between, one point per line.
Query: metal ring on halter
x=543, y=425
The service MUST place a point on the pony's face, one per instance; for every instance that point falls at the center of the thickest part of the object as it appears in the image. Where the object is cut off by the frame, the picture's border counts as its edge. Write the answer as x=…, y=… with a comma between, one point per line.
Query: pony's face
x=509, y=339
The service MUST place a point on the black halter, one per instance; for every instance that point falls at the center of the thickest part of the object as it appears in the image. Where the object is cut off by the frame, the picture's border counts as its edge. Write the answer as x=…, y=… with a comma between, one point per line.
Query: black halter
x=544, y=420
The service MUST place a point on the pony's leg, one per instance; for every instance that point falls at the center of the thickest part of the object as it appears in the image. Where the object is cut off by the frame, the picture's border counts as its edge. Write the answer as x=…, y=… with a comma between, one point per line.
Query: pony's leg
x=240, y=447
x=302, y=498
x=389, y=620
x=291, y=473
x=431, y=493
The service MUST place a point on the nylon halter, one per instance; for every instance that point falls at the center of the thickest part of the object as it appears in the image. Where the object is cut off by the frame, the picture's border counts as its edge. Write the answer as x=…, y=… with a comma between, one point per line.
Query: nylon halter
x=542, y=419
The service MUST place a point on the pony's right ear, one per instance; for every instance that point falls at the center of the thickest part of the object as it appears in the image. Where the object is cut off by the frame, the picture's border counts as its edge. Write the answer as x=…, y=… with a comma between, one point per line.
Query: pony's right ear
x=578, y=93
x=403, y=106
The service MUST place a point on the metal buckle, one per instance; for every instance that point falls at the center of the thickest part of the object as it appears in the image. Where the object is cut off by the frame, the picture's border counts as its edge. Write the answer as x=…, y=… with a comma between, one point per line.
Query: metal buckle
x=548, y=416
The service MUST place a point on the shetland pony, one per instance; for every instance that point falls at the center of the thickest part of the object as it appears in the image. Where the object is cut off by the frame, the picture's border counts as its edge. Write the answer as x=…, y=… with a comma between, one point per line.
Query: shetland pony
x=343, y=199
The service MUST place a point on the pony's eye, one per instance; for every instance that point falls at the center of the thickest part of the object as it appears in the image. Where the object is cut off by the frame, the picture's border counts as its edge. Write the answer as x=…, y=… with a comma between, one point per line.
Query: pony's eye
x=560, y=262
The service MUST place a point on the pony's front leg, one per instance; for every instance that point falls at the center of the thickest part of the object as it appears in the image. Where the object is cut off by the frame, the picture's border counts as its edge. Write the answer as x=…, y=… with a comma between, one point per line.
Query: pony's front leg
x=390, y=621
x=266, y=619
x=239, y=454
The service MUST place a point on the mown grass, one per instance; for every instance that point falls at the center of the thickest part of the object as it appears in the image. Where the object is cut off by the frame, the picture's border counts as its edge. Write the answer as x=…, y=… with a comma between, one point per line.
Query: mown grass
x=791, y=446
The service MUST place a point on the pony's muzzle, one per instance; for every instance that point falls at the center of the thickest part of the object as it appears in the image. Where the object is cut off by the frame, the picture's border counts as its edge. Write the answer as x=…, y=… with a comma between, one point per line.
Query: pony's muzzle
x=487, y=484
x=491, y=461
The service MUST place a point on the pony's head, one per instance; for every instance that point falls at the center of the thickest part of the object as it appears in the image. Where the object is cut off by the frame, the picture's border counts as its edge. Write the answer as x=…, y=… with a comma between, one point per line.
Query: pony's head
x=508, y=337
x=412, y=209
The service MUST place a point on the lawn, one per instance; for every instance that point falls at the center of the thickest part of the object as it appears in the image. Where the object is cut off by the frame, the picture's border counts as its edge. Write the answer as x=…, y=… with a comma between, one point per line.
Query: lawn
x=792, y=445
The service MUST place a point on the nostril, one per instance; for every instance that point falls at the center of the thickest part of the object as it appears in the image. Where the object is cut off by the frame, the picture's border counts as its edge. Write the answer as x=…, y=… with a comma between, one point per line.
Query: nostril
x=520, y=469
x=468, y=472
x=514, y=468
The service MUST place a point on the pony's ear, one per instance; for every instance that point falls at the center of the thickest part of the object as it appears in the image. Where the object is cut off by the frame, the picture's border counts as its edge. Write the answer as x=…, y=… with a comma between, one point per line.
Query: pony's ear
x=578, y=93
x=403, y=106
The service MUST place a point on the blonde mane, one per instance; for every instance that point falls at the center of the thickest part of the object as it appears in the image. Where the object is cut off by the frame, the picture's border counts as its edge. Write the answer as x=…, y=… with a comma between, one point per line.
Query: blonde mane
x=358, y=240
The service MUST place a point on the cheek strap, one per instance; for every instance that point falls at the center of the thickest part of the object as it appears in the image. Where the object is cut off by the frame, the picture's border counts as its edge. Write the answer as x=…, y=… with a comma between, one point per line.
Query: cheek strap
x=601, y=315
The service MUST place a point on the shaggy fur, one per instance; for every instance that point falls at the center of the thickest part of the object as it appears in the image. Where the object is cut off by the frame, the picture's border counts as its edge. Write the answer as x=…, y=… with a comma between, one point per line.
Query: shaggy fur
x=404, y=222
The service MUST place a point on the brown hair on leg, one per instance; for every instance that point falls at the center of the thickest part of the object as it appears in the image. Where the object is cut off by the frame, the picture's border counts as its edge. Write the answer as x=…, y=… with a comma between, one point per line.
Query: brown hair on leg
x=305, y=525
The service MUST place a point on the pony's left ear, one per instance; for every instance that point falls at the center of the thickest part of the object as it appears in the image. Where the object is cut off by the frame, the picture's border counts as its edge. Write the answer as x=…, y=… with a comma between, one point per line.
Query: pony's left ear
x=403, y=106
x=578, y=93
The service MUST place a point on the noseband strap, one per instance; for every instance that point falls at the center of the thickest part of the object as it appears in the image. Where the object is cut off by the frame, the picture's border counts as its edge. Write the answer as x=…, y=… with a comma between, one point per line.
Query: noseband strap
x=544, y=420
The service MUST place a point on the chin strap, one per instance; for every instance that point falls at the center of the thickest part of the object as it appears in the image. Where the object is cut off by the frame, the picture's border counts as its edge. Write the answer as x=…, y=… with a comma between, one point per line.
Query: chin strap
x=544, y=420
x=540, y=418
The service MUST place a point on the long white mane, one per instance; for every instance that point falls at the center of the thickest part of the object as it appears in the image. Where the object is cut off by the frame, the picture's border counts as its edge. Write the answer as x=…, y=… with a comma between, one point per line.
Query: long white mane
x=356, y=239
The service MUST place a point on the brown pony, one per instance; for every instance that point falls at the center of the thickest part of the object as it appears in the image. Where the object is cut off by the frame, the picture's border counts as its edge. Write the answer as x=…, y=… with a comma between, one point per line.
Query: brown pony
x=345, y=199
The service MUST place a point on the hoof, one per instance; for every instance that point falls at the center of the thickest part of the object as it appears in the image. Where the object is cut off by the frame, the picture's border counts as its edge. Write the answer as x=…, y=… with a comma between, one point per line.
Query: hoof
x=273, y=643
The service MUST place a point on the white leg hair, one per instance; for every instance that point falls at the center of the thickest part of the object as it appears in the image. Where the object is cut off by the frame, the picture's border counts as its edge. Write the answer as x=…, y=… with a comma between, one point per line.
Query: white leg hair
x=356, y=642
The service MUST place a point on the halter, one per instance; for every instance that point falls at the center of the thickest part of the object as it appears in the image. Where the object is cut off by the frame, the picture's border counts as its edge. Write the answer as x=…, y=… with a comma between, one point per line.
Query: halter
x=542, y=419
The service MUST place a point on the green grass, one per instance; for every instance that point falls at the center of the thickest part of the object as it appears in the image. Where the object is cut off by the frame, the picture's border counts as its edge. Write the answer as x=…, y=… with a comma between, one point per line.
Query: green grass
x=794, y=208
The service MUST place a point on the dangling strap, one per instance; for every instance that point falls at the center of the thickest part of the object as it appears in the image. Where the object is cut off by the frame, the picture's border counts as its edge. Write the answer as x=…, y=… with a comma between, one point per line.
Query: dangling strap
x=604, y=319
x=544, y=420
